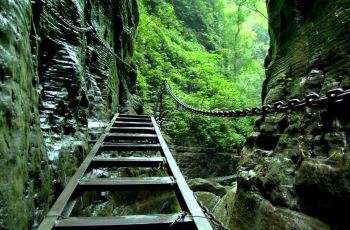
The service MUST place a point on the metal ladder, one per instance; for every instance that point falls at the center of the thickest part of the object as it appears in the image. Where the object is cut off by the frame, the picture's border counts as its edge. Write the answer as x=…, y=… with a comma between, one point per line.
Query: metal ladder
x=128, y=133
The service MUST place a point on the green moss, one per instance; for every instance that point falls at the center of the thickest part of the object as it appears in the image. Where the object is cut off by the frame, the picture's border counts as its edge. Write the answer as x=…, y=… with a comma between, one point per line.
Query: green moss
x=67, y=164
x=208, y=199
x=248, y=216
x=25, y=178
x=114, y=87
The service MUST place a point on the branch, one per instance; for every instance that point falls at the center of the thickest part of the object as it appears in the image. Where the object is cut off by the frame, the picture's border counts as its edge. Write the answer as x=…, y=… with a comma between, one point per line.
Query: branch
x=257, y=11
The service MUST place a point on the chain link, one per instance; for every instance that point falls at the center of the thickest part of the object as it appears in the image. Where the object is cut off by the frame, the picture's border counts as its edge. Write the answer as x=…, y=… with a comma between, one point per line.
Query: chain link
x=180, y=218
x=218, y=225
x=312, y=100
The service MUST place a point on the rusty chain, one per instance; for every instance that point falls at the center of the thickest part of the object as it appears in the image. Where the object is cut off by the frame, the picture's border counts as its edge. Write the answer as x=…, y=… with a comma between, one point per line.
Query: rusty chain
x=218, y=225
x=311, y=100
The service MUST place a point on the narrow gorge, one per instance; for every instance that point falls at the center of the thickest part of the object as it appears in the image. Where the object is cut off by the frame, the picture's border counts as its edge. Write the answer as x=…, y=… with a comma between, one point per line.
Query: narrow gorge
x=68, y=66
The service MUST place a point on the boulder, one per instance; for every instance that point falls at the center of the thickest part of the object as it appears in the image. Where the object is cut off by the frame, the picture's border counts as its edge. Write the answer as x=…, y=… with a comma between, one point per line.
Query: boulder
x=203, y=185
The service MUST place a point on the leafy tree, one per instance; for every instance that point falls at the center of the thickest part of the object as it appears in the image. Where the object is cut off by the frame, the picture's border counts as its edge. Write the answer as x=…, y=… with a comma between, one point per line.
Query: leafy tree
x=211, y=53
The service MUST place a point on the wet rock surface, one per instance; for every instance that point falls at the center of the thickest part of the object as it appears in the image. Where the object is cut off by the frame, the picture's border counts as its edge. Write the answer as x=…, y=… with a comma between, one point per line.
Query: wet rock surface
x=84, y=66
x=208, y=199
x=123, y=203
x=200, y=184
x=204, y=162
x=24, y=172
x=63, y=66
x=294, y=172
x=259, y=213
x=224, y=209
x=219, y=204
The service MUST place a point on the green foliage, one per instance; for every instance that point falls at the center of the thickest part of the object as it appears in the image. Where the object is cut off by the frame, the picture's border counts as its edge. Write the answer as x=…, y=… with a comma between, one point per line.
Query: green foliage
x=211, y=53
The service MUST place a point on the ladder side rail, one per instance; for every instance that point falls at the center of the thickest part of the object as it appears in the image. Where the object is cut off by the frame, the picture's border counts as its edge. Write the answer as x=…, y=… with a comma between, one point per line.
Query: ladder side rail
x=61, y=202
x=195, y=210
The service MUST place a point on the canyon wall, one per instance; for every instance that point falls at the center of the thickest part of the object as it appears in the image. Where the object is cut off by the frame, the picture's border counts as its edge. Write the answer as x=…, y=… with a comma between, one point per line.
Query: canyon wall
x=295, y=169
x=65, y=66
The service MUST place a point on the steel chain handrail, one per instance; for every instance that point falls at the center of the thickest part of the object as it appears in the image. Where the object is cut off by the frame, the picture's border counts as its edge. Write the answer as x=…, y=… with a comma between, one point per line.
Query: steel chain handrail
x=311, y=100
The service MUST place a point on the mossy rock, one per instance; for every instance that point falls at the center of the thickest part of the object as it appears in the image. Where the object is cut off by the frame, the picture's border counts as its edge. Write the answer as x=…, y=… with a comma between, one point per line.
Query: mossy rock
x=224, y=208
x=208, y=199
x=203, y=185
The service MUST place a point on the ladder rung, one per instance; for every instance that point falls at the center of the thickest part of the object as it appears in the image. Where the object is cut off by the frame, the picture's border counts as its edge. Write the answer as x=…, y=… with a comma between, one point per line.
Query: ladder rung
x=128, y=162
x=126, y=183
x=126, y=140
x=130, y=147
x=132, y=130
x=130, y=136
x=134, y=119
x=132, y=124
x=133, y=116
x=134, y=222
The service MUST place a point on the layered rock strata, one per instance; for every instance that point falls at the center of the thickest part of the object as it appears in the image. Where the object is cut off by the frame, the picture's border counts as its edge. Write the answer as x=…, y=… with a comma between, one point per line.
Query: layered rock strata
x=295, y=169
x=64, y=65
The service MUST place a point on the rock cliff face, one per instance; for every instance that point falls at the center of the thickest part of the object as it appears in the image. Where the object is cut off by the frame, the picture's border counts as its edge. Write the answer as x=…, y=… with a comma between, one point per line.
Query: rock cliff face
x=63, y=66
x=295, y=171
x=24, y=170
x=196, y=162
